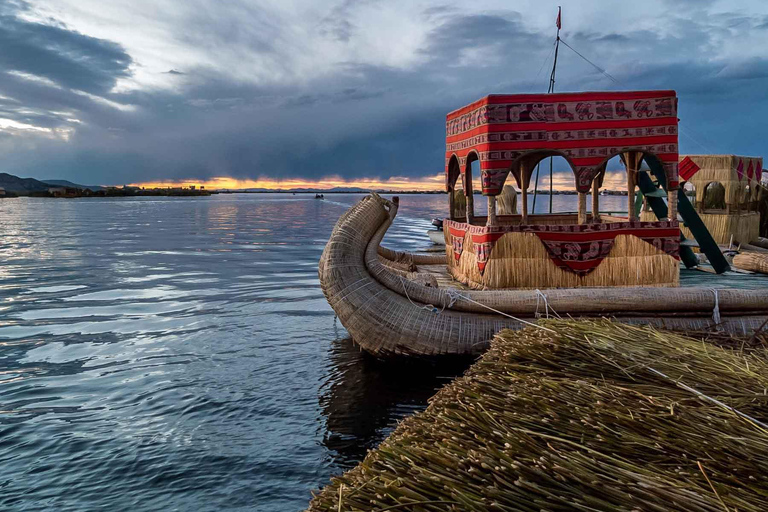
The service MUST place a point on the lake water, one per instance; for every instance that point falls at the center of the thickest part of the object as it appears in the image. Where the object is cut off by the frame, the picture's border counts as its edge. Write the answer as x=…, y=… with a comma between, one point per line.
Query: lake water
x=178, y=353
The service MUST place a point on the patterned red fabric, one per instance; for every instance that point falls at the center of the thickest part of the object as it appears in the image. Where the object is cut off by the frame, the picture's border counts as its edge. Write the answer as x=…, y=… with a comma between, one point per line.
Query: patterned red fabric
x=457, y=237
x=750, y=170
x=687, y=168
x=586, y=128
x=579, y=248
x=740, y=169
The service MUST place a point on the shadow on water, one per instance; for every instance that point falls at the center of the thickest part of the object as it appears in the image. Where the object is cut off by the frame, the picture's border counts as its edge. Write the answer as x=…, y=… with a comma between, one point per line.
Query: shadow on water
x=364, y=398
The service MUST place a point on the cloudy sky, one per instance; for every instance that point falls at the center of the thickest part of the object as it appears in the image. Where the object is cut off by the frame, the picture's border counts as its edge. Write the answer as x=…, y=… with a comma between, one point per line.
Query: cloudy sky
x=129, y=91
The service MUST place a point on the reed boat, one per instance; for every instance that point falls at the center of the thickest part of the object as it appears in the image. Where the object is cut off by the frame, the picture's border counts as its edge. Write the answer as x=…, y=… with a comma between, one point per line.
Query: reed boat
x=506, y=271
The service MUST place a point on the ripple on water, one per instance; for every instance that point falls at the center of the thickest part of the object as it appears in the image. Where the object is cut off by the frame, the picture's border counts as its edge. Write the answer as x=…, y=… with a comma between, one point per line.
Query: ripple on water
x=162, y=353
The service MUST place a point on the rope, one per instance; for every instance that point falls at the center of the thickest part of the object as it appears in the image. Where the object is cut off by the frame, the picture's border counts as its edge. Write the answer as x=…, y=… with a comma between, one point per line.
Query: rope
x=702, y=395
x=428, y=307
x=547, y=307
x=716, y=310
x=460, y=296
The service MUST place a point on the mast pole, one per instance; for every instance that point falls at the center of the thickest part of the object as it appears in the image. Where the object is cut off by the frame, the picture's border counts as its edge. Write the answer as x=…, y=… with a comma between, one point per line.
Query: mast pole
x=551, y=90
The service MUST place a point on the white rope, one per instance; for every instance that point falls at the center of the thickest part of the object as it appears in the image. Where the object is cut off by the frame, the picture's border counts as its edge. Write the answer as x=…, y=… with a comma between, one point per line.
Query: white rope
x=428, y=307
x=716, y=309
x=547, y=307
x=460, y=296
x=713, y=400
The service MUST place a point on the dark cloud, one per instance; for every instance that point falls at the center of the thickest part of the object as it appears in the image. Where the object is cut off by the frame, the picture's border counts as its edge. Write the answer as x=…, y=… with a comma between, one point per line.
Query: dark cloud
x=64, y=57
x=358, y=119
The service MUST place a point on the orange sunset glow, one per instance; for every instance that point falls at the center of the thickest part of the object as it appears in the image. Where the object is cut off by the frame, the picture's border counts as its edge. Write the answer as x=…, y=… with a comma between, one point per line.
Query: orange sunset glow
x=428, y=183
x=562, y=181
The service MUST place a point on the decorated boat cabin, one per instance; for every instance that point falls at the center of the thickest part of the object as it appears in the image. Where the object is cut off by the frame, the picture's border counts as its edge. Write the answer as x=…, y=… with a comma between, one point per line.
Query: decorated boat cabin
x=509, y=135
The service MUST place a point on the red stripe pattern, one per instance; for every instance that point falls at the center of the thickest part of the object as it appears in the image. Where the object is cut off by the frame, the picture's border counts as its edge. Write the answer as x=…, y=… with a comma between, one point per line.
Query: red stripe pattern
x=687, y=168
x=587, y=129
x=579, y=248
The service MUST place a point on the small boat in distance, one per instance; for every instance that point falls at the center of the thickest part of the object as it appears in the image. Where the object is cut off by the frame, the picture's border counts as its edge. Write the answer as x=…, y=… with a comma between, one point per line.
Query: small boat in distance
x=319, y=196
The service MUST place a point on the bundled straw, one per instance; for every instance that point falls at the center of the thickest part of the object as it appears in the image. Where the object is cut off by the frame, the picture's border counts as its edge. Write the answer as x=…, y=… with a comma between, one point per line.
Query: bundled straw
x=519, y=260
x=756, y=262
x=506, y=202
x=580, y=416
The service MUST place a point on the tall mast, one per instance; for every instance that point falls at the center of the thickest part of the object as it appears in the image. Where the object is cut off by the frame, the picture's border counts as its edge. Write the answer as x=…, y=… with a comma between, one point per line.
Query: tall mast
x=550, y=90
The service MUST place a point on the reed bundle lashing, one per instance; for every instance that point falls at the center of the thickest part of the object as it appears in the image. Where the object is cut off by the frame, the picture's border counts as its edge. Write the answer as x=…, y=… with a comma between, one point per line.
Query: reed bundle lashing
x=593, y=416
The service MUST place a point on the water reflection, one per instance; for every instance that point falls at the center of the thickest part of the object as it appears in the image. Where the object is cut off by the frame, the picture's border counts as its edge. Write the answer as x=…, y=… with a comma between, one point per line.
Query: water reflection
x=364, y=398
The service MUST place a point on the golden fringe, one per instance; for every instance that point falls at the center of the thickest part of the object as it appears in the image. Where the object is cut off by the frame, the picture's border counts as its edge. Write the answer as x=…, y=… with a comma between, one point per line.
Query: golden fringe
x=745, y=227
x=519, y=260
x=753, y=261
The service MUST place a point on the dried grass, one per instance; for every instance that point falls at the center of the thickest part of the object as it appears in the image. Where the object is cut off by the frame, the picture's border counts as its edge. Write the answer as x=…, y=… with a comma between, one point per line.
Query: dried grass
x=744, y=226
x=506, y=202
x=519, y=260
x=582, y=416
x=756, y=262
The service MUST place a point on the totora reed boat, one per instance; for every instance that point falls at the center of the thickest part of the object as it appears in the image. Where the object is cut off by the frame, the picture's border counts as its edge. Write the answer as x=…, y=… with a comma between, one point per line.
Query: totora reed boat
x=505, y=271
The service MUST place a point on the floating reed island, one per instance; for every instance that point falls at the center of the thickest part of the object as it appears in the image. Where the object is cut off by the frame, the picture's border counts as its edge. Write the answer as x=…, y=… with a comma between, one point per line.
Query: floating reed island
x=506, y=269
x=580, y=416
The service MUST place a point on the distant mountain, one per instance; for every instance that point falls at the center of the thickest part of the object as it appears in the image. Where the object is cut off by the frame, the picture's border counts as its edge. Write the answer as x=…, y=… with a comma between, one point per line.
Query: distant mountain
x=69, y=184
x=22, y=186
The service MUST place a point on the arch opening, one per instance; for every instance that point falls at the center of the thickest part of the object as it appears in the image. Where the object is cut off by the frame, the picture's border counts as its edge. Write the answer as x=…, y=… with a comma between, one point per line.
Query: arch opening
x=713, y=197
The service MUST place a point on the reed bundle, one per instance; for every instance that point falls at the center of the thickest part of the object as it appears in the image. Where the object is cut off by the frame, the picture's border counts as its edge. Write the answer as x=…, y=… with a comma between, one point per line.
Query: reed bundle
x=506, y=202
x=723, y=169
x=744, y=226
x=582, y=416
x=756, y=262
x=459, y=204
x=519, y=260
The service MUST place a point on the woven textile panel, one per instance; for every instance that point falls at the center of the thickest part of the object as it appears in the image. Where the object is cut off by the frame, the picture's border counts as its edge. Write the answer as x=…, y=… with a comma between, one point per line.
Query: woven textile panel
x=587, y=129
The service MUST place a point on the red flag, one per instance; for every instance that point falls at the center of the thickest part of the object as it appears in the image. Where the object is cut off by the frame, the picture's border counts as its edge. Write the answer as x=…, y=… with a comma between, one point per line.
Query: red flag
x=750, y=170
x=740, y=169
x=687, y=168
x=759, y=172
x=559, y=22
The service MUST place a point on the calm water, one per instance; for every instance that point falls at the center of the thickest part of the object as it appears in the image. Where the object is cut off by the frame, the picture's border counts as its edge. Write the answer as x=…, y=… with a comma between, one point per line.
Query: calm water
x=178, y=354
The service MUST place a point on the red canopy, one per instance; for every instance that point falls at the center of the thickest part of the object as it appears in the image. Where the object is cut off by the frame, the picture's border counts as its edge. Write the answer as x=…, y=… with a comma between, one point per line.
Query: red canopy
x=588, y=129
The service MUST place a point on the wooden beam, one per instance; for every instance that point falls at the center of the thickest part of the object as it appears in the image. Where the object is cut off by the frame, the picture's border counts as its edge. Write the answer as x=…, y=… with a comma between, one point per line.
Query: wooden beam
x=524, y=178
x=582, y=215
x=595, y=201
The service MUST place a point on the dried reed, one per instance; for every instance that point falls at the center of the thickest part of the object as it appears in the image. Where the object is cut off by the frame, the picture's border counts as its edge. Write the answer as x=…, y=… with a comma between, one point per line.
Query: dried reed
x=583, y=416
x=506, y=202
x=519, y=260
x=754, y=261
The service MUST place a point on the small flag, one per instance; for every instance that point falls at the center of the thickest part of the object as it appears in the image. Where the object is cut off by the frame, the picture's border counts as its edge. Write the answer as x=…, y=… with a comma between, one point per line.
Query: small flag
x=740, y=169
x=559, y=22
x=687, y=168
x=750, y=170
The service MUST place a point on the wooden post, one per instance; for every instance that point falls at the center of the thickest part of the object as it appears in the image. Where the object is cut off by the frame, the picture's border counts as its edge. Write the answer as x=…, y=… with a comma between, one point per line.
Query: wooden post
x=524, y=179
x=595, y=201
x=491, y=210
x=582, y=215
x=631, y=165
x=469, y=193
x=672, y=204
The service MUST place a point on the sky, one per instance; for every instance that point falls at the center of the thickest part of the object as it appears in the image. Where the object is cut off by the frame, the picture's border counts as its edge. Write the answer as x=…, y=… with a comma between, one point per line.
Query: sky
x=294, y=91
